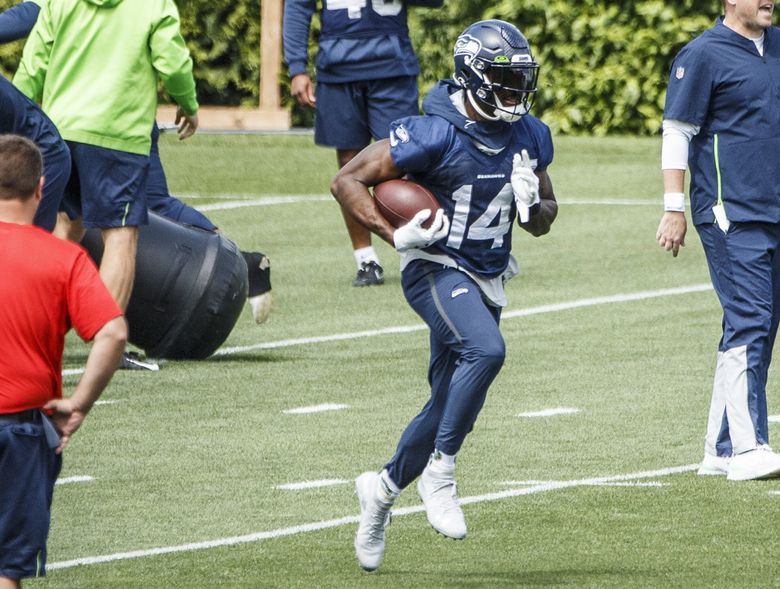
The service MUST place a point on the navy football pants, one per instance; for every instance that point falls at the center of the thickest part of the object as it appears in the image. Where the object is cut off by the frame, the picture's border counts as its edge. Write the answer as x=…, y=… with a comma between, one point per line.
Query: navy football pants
x=745, y=270
x=467, y=352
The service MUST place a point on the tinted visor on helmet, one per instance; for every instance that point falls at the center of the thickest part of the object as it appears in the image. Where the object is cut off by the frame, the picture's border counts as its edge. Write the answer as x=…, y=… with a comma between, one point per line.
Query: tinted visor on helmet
x=513, y=83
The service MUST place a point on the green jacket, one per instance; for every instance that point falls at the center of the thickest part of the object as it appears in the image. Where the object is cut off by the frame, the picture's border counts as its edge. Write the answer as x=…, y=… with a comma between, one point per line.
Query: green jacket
x=93, y=66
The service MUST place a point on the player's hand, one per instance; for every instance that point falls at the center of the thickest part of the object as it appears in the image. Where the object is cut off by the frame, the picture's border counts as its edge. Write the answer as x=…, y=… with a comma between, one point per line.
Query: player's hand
x=302, y=90
x=412, y=235
x=525, y=185
x=187, y=124
x=671, y=232
x=66, y=417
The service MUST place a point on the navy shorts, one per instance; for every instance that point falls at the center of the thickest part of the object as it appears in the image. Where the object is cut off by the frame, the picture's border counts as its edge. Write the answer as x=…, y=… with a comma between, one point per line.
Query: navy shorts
x=28, y=470
x=107, y=187
x=349, y=115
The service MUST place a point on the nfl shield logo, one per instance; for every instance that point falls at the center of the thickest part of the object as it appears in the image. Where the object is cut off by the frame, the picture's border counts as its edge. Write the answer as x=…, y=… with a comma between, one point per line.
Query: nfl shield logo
x=680, y=73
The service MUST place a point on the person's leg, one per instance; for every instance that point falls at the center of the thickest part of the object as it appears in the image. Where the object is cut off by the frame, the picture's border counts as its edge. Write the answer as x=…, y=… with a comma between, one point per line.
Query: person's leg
x=745, y=274
x=6, y=583
x=56, y=171
x=117, y=268
x=341, y=122
x=28, y=469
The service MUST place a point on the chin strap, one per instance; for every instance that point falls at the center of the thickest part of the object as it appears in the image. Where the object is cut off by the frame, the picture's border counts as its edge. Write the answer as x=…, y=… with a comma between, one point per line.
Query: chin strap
x=475, y=103
x=500, y=113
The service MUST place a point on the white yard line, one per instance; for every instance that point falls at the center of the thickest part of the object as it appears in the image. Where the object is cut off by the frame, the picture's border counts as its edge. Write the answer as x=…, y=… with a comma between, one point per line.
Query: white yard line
x=74, y=479
x=262, y=202
x=107, y=401
x=316, y=408
x=311, y=484
x=554, y=308
x=550, y=412
x=234, y=201
x=612, y=484
x=774, y=418
x=353, y=519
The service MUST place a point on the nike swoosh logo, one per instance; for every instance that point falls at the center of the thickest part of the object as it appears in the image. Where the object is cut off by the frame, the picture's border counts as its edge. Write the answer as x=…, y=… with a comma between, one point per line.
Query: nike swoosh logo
x=458, y=291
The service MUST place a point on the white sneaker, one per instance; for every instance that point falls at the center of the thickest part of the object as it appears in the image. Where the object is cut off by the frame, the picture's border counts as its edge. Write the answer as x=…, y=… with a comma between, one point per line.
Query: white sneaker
x=374, y=517
x=436, y=487
x=713, y=465
x=757, y=464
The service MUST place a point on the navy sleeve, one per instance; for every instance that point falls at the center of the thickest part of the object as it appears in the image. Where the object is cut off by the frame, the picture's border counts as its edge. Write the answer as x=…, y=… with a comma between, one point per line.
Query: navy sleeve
x=690, y=87
x=418, y=143
x=546, y=151
x=17, y=22
x=295, y=34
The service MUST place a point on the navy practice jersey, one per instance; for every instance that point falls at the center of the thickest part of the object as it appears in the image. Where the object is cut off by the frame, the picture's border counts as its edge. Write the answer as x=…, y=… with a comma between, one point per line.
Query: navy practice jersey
x=721, y=83
x=359, y=39
x=473, y=187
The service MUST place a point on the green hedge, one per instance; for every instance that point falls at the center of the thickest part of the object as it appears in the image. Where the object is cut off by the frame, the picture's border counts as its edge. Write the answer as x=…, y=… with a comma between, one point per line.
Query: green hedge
x=604, y=64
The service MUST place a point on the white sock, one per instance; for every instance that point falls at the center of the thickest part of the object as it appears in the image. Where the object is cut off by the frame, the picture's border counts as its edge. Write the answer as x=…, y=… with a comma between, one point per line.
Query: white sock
x=442, y=460
x=388, y=490
x=365, y=254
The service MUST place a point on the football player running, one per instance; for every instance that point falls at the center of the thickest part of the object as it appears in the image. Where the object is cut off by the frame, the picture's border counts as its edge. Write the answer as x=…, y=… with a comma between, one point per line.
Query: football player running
x=485, y=159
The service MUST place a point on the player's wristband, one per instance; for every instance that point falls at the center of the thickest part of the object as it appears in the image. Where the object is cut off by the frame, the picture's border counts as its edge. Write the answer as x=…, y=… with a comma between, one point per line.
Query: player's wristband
x=674, y=201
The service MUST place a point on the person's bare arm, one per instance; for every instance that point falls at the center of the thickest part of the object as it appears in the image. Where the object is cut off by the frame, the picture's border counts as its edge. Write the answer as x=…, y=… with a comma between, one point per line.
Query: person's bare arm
x=540, y=223
x=350, y=186
x=673, y=227
x=107, y=347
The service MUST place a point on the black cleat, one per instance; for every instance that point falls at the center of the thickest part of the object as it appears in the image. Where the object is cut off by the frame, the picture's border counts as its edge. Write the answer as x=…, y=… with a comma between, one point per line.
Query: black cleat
x=370, y=274
x=259, y=294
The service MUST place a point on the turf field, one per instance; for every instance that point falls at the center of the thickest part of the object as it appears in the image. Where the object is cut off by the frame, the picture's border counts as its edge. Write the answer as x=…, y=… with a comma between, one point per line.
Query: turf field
x=197, y=471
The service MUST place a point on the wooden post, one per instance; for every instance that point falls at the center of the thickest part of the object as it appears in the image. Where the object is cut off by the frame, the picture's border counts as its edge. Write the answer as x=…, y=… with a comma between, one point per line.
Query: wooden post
x=270, y=116
x=271, y=53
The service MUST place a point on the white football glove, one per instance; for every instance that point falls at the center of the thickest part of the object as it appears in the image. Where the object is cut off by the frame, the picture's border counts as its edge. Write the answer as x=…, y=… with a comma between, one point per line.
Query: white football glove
x=412, y=235
x=525, y=185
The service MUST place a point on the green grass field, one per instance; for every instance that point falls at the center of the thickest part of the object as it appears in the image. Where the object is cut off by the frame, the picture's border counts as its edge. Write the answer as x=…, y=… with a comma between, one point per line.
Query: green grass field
x=186, y=462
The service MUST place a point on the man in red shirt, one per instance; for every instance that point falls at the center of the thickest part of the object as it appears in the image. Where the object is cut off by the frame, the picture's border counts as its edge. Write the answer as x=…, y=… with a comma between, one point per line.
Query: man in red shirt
x=46, y=286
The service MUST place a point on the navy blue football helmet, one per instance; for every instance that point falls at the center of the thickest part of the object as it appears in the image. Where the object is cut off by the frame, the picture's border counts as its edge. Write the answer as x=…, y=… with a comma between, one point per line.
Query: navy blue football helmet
x=494, y=64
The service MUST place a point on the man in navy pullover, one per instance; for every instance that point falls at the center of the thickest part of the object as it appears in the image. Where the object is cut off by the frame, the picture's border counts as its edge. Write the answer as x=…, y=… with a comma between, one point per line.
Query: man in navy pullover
x=722, y=120
x=366, y=78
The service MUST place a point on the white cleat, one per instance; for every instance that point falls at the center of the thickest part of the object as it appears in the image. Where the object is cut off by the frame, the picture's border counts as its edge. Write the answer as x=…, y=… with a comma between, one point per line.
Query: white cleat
x=374, y=518
x=436, y=488
x=261, y=306
x=713, y=465
x=757, y=464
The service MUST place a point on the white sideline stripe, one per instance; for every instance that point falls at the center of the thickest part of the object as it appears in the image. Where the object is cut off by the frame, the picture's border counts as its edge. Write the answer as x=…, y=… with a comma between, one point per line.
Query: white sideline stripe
x=353, y=519
x=311, y=484
x=316, y=408
x=107, y=401
x=590, y=302
x=550, y=412
x=74, y=479
x=774, y=492
x=774, y=418
x=72, y=371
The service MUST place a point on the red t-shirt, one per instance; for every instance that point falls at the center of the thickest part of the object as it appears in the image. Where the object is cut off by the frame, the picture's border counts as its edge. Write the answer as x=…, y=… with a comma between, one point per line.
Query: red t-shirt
x=47, y=285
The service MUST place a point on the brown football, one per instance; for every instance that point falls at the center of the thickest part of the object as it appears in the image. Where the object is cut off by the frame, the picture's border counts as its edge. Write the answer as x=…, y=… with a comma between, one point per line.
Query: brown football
x=400, y=200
